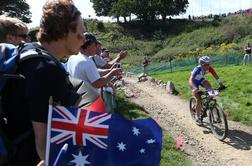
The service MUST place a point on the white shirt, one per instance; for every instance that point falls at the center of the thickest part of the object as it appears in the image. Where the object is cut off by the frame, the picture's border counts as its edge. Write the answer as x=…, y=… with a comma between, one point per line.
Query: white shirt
x=98, y=60
x=81, y=67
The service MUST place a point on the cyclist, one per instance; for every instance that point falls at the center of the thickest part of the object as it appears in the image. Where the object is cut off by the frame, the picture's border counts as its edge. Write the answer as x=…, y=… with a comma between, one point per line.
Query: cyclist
x=197, y=79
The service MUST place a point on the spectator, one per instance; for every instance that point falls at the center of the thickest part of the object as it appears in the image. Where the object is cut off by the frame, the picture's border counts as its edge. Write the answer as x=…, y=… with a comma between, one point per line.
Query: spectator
x=98, y=60
x=105, y=54
x=102, y=59
x=108, y=91
x=145, y=69
x=60, y=34
x=82, y=67
x=145, y=65
x=13, y=31
x=247, y=50
x=109, y=94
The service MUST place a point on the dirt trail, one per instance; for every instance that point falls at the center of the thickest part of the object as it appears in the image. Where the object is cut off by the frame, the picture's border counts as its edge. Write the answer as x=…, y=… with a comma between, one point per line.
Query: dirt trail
x=201, y=147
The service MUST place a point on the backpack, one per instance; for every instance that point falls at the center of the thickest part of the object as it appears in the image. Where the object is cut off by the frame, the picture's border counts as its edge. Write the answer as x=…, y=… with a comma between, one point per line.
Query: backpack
x=10, y=57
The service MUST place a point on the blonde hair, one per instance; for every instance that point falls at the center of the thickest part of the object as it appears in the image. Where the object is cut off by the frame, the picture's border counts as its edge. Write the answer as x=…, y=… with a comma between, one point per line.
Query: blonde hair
x=11, y=26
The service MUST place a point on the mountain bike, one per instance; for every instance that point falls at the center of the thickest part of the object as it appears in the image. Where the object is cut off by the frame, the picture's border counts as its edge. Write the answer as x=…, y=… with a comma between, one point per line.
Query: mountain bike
x=211, y=109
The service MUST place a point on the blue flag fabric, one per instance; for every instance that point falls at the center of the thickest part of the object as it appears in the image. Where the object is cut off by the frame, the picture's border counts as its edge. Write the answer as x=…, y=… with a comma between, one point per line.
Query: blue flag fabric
x=101, y=139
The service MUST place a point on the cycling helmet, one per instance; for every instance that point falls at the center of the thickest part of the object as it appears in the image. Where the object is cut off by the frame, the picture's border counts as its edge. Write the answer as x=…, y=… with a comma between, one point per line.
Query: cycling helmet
x=204, y=59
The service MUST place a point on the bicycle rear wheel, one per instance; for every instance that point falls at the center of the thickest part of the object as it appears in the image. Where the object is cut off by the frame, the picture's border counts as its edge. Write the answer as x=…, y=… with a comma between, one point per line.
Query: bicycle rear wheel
x=192, y=106
x=218, y=122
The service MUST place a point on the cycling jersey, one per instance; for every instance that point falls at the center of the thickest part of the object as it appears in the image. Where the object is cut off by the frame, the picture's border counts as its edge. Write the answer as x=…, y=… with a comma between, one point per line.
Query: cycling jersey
x=198, y=75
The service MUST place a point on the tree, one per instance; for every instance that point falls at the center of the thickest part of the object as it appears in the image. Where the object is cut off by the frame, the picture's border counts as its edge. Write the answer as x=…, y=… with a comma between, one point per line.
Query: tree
x=181, y=6
x=121, y=8
x=16, y=8
x=102, y=7
x=144, y=9
x=171, y=7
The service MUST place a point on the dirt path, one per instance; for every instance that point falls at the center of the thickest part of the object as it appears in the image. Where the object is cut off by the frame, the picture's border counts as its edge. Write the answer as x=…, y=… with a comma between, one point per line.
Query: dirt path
x=201, y=147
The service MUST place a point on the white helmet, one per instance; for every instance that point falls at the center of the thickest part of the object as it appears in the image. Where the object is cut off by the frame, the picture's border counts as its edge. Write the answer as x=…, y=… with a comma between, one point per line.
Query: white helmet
x=204, y=59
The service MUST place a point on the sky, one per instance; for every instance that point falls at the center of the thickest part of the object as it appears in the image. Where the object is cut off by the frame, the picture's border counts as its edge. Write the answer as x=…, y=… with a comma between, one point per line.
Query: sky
x=196, y=8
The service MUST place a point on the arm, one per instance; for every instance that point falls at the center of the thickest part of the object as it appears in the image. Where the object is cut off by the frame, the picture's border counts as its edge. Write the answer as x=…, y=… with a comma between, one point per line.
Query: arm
x=215, y=75
x=106, y=78
x=41, y=163
x=103, y=72
x=120, y=56
x=40, y=131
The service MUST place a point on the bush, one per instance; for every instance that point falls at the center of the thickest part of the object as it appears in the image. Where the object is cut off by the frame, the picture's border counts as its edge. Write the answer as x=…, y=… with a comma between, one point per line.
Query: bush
x=100, y=26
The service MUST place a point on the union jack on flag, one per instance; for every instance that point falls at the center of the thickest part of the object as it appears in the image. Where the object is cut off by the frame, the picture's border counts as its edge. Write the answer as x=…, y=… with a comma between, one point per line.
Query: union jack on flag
x=79, y=126
x=79, y=137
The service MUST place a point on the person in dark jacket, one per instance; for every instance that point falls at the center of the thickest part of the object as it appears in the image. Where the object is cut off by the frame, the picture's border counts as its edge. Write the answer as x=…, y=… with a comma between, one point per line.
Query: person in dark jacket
x=60, y=34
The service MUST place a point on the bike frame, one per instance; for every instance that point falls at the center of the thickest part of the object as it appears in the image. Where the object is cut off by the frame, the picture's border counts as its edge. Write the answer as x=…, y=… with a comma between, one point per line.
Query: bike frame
x=207, y=102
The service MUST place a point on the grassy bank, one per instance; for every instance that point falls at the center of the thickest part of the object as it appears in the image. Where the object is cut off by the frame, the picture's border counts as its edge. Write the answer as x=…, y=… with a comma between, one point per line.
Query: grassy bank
x=170, y=156
x=236, y=99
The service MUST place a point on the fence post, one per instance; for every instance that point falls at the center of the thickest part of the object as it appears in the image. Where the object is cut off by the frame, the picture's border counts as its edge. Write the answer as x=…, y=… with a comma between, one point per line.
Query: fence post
x=170, y=66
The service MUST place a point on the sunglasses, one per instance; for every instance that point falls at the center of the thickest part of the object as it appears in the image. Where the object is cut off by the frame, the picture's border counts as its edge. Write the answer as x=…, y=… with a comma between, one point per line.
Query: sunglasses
x=206, y=64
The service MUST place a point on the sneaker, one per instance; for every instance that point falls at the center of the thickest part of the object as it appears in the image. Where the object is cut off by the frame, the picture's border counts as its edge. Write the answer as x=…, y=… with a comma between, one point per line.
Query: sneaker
x=198, y=121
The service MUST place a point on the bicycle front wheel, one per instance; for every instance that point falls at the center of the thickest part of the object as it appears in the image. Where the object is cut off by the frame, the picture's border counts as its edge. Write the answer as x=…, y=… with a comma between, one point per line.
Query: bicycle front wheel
x=218, y=122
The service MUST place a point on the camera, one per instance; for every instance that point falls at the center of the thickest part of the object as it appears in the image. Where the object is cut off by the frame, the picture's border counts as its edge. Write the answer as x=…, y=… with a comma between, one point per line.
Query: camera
x=119, y=65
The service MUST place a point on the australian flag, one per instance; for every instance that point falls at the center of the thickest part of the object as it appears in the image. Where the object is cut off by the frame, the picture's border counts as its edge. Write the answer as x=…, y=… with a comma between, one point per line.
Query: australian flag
x=101, y=139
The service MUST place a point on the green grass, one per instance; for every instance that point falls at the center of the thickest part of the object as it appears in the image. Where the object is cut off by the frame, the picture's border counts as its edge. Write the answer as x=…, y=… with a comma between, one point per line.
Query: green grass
x=236, y=99
x=169, y=155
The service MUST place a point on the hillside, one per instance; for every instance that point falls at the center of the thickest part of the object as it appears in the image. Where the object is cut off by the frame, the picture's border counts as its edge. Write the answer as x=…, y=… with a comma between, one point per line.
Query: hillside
x=179, y=39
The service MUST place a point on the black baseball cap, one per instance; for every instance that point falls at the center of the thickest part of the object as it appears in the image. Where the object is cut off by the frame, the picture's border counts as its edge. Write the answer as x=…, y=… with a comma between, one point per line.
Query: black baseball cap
x=89, y=39
x=105, y=50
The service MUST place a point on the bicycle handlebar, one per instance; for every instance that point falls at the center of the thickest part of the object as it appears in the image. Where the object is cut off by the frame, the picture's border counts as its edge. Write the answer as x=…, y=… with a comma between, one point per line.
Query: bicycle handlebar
x=205, y=92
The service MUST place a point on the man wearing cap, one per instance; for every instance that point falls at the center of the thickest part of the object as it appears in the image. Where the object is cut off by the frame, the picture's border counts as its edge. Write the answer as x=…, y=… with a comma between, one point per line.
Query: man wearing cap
x=105, y=55
x=82, y=67
x=98, y=60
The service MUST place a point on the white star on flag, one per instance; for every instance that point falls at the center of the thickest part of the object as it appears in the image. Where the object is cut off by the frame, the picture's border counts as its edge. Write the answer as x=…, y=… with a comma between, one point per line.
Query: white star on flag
x=121, y=146
x=142, y=150
x=135, y=131
x=150, y=141
x=80, y=160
